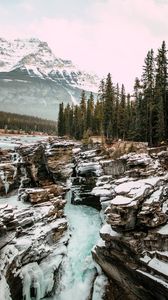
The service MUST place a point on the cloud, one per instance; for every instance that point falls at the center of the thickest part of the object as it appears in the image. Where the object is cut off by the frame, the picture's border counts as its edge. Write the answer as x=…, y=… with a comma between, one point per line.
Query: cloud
x=27, y=7
x=114, y=38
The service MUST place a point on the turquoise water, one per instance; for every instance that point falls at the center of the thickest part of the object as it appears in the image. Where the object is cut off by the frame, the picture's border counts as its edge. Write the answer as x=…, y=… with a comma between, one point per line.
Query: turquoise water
x=78, y=268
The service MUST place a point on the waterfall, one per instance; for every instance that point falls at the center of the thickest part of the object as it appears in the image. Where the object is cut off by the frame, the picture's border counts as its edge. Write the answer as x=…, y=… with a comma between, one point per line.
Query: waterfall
x=78, y=269
x=4, y=178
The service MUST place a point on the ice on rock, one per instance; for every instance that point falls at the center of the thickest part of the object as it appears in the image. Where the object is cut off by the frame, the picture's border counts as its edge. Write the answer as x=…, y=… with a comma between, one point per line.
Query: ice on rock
x=103, y=191
x=39, y=279
x=163, y=230
x=99, y=287
x=154, y=278
x=88, y=167
x=4, y=289
x=121, y=200
x=100, y=243
x=4, y=178
x=102, y=180
x=107, y=229
x=76, y=150
x=139, y=187
x=159, y=265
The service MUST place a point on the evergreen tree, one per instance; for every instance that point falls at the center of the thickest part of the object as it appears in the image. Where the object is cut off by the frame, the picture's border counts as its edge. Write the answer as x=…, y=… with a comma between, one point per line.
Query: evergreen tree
x=148, y=91
x=76, y=123
x=108, y=117
x=116, y=112
x=140, y=113
x=161, y=93
x=61, y=120
x=98, y=118
x=101, y=91
x=82, y=113
x=128, y=115
x=90, y=113
x=122, y=114
x=145, y=118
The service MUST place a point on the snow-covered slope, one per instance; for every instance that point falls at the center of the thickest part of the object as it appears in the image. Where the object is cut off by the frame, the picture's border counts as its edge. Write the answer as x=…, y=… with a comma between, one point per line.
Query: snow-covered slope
x=31, y=75
x=38, y=59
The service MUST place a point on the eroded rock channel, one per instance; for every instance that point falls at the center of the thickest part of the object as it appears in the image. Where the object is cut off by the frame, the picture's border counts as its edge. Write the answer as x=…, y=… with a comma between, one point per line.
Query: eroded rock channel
x=76, y=224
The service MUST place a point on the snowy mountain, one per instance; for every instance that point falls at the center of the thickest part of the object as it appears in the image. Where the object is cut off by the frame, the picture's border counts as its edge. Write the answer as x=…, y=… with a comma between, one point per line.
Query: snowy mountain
x=34, y=81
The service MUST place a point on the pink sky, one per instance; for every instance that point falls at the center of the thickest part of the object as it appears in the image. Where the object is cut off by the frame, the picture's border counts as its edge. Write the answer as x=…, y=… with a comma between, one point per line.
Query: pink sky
x=110, y=36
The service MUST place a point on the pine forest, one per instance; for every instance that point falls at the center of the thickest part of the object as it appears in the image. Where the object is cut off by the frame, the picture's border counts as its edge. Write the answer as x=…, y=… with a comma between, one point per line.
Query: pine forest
x=142, y=116
x=16, y=122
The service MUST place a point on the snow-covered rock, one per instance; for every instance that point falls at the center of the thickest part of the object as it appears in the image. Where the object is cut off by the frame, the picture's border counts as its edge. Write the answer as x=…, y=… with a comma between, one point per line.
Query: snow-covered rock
x=33, y=231
x=133, y=250
x=34, y=80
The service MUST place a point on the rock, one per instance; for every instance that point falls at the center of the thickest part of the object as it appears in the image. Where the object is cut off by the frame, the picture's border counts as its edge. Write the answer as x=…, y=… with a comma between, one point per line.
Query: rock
x=8, y=178
x=58, y=154
x=133, y=250
x=113, y=167
x=33, y=238
x=38, y=231
x=89, y=169
x=35, y=163
x=38, y=195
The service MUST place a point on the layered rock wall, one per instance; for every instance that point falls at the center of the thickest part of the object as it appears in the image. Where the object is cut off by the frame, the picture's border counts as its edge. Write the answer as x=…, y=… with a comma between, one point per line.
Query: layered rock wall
x=33, y=227
x=134, y=239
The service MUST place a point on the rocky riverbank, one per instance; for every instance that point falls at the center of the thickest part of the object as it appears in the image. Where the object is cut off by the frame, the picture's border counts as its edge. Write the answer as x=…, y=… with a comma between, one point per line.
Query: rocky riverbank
x=133, y=249
x=33, y=228
x=130, y=192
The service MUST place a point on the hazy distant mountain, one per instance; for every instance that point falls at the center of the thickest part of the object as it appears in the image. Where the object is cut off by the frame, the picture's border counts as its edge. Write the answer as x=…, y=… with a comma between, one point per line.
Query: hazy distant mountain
x=34, y=81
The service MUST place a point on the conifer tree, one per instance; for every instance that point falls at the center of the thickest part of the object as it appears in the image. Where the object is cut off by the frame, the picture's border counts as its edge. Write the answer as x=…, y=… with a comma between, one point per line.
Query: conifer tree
x=82, y=113
x=90, y=112
x=141, y=113
x=76, y=123
x=161, y=92
x=148, y=90
x=98, y=118
x=61, y=120
x=128, y=115
x=145, y=118
x=116, y=111
x=122, y=114
x=108, y=117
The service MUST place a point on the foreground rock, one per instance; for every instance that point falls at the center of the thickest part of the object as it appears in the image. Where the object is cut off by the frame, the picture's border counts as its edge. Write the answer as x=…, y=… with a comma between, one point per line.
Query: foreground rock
x=33, y=232
x=133, y=250
x=34, y=250
x=131, y=192
x=86, y=171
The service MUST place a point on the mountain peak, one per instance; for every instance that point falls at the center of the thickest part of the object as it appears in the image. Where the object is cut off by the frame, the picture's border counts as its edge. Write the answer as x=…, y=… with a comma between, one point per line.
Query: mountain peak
x=38, y=59
x=33, y=80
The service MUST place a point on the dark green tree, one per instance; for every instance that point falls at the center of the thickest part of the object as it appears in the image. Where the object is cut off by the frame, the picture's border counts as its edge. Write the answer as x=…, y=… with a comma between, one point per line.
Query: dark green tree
x=161, y=93
x=122, y=114
x=90, y=113
x=61, y=120
x=148, y=79
x=108, y=116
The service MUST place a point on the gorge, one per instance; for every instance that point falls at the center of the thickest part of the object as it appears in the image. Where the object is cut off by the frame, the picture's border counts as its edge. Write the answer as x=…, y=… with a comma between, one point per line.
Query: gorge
x=57, y=196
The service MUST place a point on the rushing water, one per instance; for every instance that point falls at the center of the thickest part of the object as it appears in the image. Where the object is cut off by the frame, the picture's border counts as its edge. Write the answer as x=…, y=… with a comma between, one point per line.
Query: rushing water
x=78, y=268
x=13, y=141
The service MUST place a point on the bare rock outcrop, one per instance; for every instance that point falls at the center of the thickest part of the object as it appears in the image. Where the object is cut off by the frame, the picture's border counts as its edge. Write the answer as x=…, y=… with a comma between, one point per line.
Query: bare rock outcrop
x=133, y=249
x=33, y=229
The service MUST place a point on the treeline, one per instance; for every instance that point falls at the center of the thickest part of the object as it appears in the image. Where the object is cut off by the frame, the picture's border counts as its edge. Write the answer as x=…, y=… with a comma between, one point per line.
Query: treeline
x=16, y=122
x=142, y=116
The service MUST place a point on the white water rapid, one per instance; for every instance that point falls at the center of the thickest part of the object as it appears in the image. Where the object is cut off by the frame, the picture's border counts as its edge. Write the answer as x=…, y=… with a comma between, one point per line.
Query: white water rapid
x=78, y=268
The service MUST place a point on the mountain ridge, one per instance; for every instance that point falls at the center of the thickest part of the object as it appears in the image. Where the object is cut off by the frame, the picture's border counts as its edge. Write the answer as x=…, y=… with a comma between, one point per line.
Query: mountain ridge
x=31, y=75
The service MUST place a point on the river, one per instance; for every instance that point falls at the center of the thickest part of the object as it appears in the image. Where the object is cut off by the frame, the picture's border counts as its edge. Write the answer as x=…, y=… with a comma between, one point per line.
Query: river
x=78, y=267
x=78, y=272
